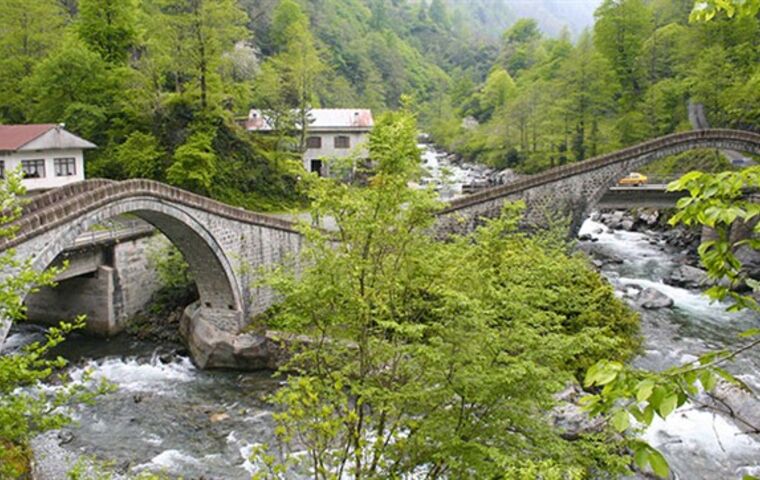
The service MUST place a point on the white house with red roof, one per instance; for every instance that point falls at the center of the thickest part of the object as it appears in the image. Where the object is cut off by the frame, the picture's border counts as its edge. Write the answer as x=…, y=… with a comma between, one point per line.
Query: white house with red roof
x=48, y=155
x=332, y=133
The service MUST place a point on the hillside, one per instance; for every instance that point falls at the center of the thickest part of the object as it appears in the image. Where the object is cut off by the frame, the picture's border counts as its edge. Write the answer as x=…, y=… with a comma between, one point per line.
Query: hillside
x=492, y=17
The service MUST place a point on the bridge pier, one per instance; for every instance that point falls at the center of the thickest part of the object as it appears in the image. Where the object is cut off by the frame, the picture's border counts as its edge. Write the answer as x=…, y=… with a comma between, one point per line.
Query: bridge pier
x=108, y=281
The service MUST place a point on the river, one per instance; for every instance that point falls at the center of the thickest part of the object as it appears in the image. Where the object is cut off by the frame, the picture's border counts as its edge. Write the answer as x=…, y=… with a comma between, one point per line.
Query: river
x=166, y=415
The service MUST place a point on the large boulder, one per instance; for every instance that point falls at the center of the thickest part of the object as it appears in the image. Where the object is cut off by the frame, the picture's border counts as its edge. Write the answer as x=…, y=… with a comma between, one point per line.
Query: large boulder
x=687, y=276
x=214, y=347
x=652, y=299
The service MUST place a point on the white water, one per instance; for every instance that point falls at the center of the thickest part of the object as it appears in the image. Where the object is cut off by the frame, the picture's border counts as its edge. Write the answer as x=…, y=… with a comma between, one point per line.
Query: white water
x=446, y=177
x=698, y=443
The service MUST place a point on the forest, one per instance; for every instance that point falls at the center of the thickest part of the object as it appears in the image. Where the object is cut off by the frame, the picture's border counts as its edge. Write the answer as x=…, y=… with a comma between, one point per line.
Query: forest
x=548, y=101
x=158, y=84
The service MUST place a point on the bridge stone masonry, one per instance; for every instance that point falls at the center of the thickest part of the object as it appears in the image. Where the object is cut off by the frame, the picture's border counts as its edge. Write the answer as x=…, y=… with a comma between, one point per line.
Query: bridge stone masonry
x=574, y=190
x=225, y=246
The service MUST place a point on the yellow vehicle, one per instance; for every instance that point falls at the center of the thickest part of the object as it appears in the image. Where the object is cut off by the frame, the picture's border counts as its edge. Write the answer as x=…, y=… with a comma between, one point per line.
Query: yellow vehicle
x=634, y=180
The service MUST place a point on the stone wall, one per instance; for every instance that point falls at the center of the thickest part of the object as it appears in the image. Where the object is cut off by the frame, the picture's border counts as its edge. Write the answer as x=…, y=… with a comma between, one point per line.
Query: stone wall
x=91, y=295
x=136, y=277
x=109, y=294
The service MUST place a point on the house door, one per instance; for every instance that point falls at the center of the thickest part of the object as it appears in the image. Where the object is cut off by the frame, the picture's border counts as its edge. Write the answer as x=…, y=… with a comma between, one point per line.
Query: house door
x=316, y=167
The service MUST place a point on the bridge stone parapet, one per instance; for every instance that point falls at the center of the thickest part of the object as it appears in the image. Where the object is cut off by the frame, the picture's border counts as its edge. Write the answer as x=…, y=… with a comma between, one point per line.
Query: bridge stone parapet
x=573, y=190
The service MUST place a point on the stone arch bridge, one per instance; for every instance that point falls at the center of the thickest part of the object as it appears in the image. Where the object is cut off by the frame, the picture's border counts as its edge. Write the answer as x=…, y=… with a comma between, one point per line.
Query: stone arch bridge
x=225, y=245
x=573, y=190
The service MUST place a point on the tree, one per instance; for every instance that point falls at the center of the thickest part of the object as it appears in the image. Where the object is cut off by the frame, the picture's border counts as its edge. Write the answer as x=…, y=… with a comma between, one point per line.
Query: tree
x=31, y=29
x=25, y=410
x=300, y=67
x=73, y=85
x=588, y=88
x=620, y=30
x=521, y=46
x=287, y=14
x=438, y=14
x=194, y=165
x=432, y=355
x=141, y=156
x=108, y=27
x=499, y=88
x=192, y=36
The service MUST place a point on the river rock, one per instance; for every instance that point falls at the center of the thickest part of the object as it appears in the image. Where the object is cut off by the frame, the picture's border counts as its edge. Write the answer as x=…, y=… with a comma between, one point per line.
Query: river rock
x=219, y=417
x=50, y=461
x=750, y=260
x=687, y=276
x=627, y=224
x=652, y=299
x=649, y=217
x=571, y=418
x=212, y=347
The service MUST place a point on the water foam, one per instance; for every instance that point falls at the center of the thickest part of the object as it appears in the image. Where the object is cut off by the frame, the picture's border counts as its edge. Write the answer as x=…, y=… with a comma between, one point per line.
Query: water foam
x=133, y=375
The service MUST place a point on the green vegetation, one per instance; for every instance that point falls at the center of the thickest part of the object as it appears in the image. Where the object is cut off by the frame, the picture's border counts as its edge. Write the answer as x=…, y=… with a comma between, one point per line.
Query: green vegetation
x=704, y=160
x=436, y=355
x=24, y=411
x=158, y=84
x=627, y=80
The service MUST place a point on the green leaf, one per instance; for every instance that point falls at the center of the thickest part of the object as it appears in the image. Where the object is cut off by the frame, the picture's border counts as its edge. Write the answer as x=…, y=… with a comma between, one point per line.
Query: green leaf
x=641, y=456
x=620, y=420
x=659, y=464
x=708, y=380
x=750, y=333
x=667, y=405
x=644, y=390
x=648, y=415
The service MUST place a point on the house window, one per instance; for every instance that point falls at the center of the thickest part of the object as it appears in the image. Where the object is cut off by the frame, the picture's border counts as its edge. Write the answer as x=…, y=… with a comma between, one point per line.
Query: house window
x=65, y=167
x=314, y=142
x=33, y=168
x=342, y=142
x=2, y=168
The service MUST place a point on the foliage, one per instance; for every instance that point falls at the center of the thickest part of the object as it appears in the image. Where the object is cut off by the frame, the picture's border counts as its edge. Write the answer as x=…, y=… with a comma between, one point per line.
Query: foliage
x=108, y=27
x=194, y=163
x=705, y=10
x=719, y=201
x=433, y=356
x=33, y=28
x=172, y=268
x=141, y=156
x=24, y=410
x=627, y=80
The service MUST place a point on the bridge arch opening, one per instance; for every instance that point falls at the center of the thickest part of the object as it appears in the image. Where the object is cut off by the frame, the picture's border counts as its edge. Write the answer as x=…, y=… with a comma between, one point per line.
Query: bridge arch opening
x=211, y=270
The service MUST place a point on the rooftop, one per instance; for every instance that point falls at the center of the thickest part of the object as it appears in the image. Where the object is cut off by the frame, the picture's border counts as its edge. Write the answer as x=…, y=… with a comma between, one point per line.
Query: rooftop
x=320, y=118
x=42, y=136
